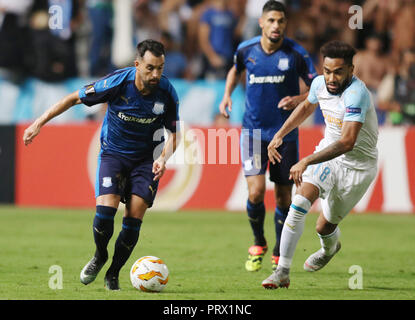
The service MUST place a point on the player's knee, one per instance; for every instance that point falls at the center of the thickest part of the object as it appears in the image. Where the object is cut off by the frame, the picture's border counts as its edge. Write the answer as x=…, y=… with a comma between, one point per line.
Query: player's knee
x=108, y=200
x=283, y=197
x=256, y=195
x=301, y=204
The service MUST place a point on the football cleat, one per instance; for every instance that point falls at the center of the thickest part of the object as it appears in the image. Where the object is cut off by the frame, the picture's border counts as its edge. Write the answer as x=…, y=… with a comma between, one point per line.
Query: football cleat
x=319, y=259
x=274, y=262
x=91, y=270
x=278, y=279
x=111, y=283
x=256, y=254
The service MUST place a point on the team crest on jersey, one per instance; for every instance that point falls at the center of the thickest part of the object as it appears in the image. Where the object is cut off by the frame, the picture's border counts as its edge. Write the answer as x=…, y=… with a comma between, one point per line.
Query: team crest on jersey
x=283, y=64
x=158, y=108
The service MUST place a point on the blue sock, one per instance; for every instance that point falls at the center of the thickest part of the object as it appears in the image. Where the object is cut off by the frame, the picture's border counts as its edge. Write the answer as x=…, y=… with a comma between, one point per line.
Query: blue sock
x=103, y=228
x=279, y=219
x=126, y=241
x=256, y=215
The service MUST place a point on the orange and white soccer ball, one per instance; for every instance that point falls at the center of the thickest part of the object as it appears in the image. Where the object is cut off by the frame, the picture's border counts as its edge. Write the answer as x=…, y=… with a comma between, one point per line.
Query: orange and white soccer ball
x=149, y=274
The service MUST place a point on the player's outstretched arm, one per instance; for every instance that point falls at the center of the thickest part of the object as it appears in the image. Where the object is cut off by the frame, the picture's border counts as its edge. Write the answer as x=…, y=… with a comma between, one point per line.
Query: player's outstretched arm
x=302, y=112
x=61, y=106
x=159, y=165
x=232, y=80
x=291, y=102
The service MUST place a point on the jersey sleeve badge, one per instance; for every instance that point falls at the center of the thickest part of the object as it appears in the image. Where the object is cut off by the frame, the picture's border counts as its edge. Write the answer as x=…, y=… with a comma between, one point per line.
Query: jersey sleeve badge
x=89, y=90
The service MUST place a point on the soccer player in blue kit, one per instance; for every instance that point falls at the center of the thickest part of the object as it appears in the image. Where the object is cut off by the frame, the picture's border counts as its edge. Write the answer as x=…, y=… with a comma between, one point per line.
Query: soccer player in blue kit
x=273, y=65
x=131, y=161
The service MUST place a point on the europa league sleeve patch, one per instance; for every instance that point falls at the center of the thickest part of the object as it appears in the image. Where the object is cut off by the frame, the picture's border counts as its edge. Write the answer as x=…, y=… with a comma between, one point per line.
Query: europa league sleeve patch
x=89, y=90
x=353, y=110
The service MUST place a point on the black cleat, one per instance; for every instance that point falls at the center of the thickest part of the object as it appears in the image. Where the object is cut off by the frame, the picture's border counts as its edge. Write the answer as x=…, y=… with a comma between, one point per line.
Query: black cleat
x=91, y=270
x=111, y=283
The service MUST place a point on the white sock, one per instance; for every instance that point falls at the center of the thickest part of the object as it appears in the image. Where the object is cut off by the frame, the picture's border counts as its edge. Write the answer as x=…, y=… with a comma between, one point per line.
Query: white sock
x=293, y=229
x=329, y=242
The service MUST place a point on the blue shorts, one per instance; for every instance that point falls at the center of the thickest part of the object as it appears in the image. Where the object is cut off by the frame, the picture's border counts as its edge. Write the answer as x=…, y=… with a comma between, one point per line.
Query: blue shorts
x=119, y=175
x=254, y=156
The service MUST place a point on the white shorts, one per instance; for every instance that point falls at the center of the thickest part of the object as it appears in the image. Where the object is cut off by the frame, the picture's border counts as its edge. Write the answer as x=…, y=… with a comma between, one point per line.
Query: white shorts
x=341, y=188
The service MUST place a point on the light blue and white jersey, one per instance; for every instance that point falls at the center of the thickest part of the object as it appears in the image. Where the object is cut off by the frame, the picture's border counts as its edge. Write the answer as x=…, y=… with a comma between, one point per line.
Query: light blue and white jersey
x=353, y=104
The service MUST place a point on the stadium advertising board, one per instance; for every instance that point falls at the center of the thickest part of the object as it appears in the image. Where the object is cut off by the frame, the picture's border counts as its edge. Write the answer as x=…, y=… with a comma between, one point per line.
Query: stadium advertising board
x=59, y=170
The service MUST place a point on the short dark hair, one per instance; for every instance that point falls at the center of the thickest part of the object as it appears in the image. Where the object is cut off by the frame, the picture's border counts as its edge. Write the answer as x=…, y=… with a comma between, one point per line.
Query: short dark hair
x=338, y=49
x=155, y=47
x=273, y=5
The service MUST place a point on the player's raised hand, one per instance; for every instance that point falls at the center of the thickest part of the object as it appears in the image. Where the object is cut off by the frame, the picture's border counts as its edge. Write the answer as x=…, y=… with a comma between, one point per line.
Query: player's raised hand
x=159, y=166
x=296, y=172
x=226, y=103
x=30, y=133
x=288, y=103
x=273, y=154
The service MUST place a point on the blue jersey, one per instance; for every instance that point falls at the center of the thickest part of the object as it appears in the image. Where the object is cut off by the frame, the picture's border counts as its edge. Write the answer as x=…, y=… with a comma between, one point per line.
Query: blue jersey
x=132, y=119
x=269, y=78
x=222, y=24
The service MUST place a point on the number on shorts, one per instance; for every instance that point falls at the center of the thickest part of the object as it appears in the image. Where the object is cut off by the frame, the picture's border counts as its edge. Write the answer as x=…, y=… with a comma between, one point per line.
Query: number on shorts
x=324, y=174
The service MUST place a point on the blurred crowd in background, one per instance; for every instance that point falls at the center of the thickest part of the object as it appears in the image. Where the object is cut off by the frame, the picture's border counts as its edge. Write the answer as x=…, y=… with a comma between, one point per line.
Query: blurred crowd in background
x=95, y=37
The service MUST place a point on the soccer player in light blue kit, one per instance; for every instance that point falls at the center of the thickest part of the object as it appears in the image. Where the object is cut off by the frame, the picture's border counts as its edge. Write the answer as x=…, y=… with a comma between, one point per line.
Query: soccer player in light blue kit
x=274, y=65
x=342, y=167
x=140, y=103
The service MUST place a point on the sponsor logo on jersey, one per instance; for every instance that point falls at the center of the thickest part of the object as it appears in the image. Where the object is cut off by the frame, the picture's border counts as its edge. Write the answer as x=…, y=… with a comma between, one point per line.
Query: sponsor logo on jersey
x=158, y=108
x=268, y=79
x=252, y=60
x=124, y=117
x=333, y=120
x=283, y=64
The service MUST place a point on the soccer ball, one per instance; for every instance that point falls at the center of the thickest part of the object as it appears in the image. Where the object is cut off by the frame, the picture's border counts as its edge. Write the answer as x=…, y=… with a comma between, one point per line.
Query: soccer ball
x=149, y=274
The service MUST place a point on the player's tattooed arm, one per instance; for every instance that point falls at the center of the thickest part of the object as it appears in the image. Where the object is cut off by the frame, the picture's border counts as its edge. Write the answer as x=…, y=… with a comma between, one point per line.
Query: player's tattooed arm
x=61, y=106
x=350, y=131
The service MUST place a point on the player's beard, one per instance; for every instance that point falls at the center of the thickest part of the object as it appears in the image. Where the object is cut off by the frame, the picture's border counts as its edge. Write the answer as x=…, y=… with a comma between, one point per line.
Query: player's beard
x=275, y=39
x=340, y=88
x=152, y=84
x=275, y=36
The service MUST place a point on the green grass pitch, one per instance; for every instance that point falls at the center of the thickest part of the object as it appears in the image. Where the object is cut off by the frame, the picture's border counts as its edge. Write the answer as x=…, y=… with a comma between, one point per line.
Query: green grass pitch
x=205, y=252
